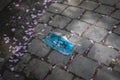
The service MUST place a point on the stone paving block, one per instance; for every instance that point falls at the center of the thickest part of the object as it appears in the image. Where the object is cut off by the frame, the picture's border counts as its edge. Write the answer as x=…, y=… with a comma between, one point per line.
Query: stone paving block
x=117, y=30
x=109, y=2
x=90, y=17
x=103, y=9
x=78, y=79
x=42, y=30
x=58, y=74
x=37, y=69
x=113, y=40
x=85, y=43
x=102, y=53
x=56, y=7
x=107, y=22
x=117, y=67
x=57, y=58
x=38, y=48
x=90, y=5
x=12, y=76
x=118, y=5
x=59, y=21
x=73, y=12
x=73, y=2
x=46, y=17
x=26, y=58
x=95, y=33
x=77, y=26
x=105, y=74
x=116, y=14
x=83, y=67
x=22, y=63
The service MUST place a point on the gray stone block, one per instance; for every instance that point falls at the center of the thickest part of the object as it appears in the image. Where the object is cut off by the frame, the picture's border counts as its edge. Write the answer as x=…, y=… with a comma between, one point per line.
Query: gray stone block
x=58, y=74
x=117, y=30
x=90, y=17
x=95, y=33
x=90, y=5
x=77, y=26
x=56, y=7
x=105, y=74
x=37, y=69
x=73, y=2
x=116, y=14
x=12, y=76
x=78, y=79
x=85, y=43
x=103, y=9
x=109, y=2
x=107, y=22
x=83, y=67
x=42, y=30
x=58, y=58
x=59, y=21
x=73, y=12
x=38, y=48
x=102, y=53
x=46, y=17
x=113, y=40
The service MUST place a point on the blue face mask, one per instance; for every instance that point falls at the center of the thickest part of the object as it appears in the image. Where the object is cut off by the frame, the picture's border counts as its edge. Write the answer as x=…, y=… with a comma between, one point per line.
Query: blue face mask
x=59, y=43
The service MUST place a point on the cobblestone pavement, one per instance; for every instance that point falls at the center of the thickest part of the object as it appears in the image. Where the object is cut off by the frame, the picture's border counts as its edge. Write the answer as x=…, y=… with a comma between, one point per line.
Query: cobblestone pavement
x=95, y=25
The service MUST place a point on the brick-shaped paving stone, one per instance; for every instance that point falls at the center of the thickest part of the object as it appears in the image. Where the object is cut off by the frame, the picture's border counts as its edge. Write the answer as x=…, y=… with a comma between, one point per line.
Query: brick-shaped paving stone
x=59, y=21
x=77, y=26
x=102, y=53
x=38, y=48
x=42, y=30
x=23, y=62
x=83, y=67
x=46, y=17
x=116, y=14
x=103, y=9
x=105, y=74
x=58, y=74
x=95, y=33
x=56, y=7
x=109, y=2
x=57, y=58
x=78, y=79
x=90, y=17
x=113, y=40
x=84, y=44
x=37, y=69
x=107, y=22
x=90, y=5
x=117, y=30
x=117, y=67
x=118, y=5
x=12, y=76
x=73, y=2
x=73, y=12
